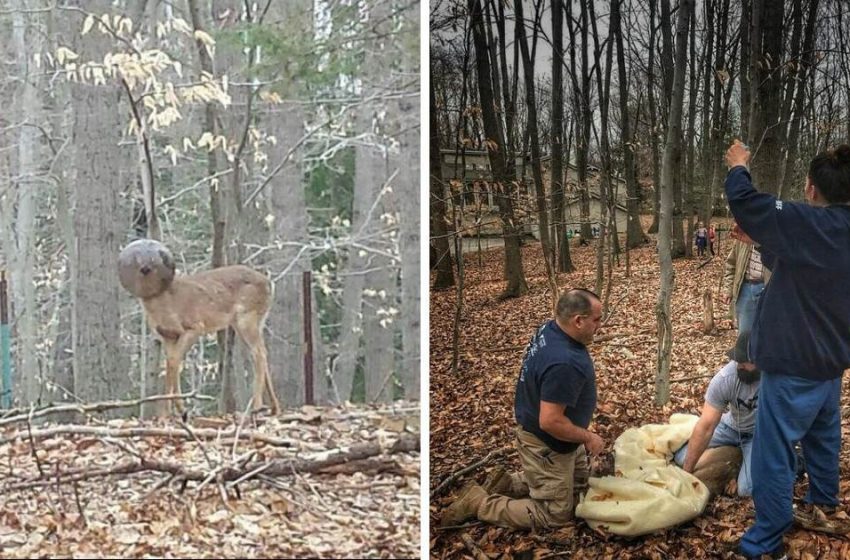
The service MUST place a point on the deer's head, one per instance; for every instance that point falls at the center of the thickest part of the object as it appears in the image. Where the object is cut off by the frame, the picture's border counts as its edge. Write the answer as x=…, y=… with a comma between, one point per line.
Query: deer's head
x=145, y=268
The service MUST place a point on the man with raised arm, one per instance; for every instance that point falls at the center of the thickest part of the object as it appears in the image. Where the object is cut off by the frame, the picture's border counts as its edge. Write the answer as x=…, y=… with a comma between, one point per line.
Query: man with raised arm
x=555, y=401
x=800, y=340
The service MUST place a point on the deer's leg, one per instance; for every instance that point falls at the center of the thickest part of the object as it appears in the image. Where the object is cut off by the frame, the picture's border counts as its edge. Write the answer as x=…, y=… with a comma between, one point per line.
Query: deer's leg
x=175, y=350
x=248, y=327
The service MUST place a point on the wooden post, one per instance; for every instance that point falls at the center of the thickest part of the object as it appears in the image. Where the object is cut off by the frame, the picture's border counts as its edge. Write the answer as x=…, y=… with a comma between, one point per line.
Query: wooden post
x=308, y=337
x=5, y=354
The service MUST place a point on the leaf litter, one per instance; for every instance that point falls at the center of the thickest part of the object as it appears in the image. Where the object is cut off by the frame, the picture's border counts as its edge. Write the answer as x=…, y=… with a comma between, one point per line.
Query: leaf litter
x=368, y=507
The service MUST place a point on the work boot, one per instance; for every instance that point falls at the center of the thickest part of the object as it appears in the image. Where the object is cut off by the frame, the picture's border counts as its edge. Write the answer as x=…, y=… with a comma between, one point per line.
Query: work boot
x=464, y=507
x=824, y=519
x=498, y=482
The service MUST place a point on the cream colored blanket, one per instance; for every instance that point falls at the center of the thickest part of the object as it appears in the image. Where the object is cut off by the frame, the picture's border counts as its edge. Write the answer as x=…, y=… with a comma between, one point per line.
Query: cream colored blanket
x=647, y=493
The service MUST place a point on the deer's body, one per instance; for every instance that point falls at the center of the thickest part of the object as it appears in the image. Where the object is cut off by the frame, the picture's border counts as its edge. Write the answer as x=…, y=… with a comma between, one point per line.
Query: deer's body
x=197, y=304
x=181, y=309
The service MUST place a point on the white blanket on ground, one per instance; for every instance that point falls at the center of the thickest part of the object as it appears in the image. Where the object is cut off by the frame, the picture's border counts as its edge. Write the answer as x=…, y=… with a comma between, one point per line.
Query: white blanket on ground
x=647, y=493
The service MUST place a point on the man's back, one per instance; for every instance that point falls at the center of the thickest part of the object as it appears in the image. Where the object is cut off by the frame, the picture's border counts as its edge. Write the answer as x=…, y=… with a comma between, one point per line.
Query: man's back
x=803, y=324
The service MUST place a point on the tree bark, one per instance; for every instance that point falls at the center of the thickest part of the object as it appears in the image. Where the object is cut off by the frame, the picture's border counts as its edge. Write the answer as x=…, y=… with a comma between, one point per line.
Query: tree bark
x=28, y=39
x=536, y=166
x=498, y=155
x=562, y=246
x=634, y=230
x=100, y=359
x=662, y=309
x=764, y=132
x=444, y=277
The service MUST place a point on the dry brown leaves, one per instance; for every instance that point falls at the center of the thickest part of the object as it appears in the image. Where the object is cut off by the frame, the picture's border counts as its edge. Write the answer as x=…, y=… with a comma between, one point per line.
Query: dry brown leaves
x=372, y=513
x=472, y=412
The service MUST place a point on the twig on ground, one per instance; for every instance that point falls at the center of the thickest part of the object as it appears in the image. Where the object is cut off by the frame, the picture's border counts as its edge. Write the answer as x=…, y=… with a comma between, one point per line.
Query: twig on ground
x=32, y=444
x=80, y=505
x=20, y=415
x=451, y=478
x=473, y=548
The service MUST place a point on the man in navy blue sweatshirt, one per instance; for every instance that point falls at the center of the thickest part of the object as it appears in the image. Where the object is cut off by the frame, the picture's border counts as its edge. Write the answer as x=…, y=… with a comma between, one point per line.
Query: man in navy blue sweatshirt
x=800, y=339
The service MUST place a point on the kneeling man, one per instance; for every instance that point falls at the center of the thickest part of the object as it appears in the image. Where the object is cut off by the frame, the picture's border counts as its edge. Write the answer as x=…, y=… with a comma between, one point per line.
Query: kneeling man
x=555, y=400
x=728, y=415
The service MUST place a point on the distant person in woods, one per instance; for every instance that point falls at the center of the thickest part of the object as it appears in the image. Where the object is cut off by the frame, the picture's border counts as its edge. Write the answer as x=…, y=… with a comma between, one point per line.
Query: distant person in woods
x=728, y=415
x=701, y=239
x=555, y=400
x=712, y=238
x=744, y=279
x=800, y=341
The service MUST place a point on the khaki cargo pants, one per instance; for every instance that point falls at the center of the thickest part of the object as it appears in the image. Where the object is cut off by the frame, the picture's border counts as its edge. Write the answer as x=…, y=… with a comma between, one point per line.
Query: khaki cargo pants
x=548, y=486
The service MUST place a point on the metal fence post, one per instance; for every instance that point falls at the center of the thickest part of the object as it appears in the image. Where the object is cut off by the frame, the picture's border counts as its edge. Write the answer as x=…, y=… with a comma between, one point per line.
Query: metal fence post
x=5, y=353
x=308, y=337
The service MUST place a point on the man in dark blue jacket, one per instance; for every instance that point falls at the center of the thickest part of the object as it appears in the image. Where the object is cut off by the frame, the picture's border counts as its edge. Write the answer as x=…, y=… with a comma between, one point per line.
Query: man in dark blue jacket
x=800, y=339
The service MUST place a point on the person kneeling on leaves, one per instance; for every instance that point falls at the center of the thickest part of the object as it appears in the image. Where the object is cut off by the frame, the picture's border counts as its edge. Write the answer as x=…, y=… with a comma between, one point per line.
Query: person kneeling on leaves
x=735, y=387
x=555, y=400
x=728, y=415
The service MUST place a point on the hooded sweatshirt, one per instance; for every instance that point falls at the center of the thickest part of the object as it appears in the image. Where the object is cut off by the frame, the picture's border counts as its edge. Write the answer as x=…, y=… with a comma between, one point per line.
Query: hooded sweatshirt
x=802, y=324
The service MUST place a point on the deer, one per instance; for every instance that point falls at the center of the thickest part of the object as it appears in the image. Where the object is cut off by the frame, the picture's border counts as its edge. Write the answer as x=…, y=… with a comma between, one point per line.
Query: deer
x=182, y=308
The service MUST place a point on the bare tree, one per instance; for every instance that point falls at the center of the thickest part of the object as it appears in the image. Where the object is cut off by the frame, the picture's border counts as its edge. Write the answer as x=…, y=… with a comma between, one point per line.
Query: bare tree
x=663, y=308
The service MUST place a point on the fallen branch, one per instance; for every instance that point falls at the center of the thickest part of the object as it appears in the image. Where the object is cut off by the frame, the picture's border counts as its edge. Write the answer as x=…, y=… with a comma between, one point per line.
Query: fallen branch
x=473, y=548
x=276, y=467
x=21, y=415
x=98, y=431
x=451, y=478
x=681, y=379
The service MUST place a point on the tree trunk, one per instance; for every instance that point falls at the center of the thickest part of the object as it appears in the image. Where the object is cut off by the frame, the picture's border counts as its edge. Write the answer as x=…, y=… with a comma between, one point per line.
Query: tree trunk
x=408, y=200
x=634, y=230
x=806, y=63
x=444, y=277
x=565, y=263
x=653, y=122
x=28, y=39
x=583, y=139
x=764, y=135
x=227, y=394
x=536, y=167
x=100, y=359
x=665, y=293
x=496, y=148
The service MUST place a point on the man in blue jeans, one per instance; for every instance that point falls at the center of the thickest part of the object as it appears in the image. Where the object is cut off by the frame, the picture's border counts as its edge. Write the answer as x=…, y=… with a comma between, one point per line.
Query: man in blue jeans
x=800, y=340
x=744, y=279
x=735, y=387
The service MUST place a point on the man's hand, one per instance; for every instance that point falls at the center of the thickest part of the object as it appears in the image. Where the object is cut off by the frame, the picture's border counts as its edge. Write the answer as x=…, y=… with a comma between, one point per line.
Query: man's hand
x=737, y=154
x=594, y=444
x=740, y=235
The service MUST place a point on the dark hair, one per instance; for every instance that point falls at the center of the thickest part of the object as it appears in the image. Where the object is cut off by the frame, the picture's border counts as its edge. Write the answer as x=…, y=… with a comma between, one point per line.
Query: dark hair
x=829, y=171
x=577, y=301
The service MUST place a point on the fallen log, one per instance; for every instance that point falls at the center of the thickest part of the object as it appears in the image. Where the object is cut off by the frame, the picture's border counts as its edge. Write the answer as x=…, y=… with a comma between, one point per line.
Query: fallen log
x=275, y=467
x=98, y=431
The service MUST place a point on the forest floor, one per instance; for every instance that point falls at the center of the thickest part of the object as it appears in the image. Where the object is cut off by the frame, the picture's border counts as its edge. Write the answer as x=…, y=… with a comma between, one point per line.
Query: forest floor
x=471, y=411
x=323, y=482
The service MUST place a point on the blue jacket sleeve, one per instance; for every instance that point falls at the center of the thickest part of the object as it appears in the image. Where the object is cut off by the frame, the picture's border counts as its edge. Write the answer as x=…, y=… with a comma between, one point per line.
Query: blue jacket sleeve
x=788, y=230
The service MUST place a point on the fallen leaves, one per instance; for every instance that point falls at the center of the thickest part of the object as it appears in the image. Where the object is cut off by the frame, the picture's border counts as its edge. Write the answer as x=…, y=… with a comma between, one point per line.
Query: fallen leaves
x=367, y=507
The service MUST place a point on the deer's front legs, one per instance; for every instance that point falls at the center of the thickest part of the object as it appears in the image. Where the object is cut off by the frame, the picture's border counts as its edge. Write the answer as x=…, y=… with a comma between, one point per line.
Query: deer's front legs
x=175, y=349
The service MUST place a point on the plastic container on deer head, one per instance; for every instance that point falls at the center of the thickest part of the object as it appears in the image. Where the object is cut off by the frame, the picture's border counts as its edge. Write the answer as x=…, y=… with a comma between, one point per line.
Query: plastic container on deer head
x=145, y=268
